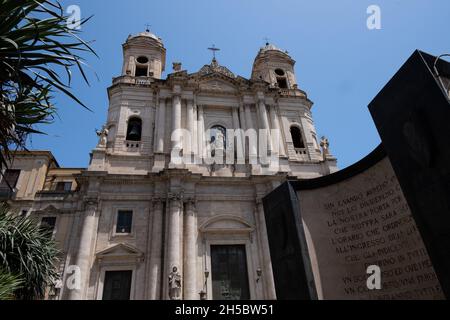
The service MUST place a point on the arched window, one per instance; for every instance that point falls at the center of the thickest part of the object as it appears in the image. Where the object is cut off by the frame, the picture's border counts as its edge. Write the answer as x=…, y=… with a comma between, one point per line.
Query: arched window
x=141, y=67
x=141, y=71
x=281, y=78
x=134, y=130
x=297, y=138
x=218, y=137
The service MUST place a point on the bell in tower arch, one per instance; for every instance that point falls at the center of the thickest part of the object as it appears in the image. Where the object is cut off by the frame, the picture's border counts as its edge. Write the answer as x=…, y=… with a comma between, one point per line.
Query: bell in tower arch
x=134, y=130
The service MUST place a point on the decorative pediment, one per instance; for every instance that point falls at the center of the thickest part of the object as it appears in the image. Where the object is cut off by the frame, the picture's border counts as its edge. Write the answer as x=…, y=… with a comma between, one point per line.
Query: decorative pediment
x=226, y=224
x=120, y=251
x=216, y=84
x=214, y=67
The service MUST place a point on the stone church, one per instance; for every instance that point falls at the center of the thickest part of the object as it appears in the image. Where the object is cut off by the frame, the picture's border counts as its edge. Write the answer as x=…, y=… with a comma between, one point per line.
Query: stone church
x=136, y=223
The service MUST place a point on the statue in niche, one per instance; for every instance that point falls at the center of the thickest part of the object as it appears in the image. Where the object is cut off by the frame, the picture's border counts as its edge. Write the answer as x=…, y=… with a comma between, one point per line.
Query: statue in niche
x=174, y=284
x=103, y=136
x=217, y=141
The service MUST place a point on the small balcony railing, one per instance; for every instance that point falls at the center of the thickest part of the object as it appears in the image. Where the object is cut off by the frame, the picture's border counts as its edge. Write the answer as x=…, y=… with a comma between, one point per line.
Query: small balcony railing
x=292, y=92
x=301, y=151
x=53, y=193
x=301, y=154
x=132, y=146
x=138, y=81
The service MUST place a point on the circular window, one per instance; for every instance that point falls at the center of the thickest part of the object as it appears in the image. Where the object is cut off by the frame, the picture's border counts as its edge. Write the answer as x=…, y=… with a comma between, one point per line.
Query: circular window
x=142, y=59
x=279, y=72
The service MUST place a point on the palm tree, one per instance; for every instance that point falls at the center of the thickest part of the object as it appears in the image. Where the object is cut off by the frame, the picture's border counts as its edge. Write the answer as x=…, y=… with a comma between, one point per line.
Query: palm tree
x=28, y=257
x=38, y=50
x=8, y=285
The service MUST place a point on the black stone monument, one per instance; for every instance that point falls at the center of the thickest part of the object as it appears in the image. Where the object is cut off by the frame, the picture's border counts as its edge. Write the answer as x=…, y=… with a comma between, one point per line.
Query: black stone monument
x=391, y=208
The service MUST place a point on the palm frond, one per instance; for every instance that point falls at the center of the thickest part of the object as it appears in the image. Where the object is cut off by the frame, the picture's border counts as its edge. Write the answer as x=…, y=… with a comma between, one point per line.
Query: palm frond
x=28, y=251
x=9, y=284
x=38, y=51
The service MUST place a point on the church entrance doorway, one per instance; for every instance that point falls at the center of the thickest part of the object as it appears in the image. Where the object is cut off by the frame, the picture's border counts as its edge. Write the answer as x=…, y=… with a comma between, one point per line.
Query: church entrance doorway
x=229, y=272
x=117, y=285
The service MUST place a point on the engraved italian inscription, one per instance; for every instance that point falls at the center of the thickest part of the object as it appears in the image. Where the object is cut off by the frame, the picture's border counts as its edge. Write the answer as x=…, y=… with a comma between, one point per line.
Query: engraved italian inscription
x=366, y=221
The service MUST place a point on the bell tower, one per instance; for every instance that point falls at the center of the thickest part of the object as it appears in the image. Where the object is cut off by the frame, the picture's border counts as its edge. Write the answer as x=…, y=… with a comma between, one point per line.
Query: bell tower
x=144, y=55
x=274, y=66
x=129, y=128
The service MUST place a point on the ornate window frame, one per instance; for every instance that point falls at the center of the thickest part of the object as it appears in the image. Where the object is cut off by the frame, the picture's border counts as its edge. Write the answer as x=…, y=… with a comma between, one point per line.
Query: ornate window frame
x=119, y=257
x=48, y=212
x=302, y=133
x=114, y=235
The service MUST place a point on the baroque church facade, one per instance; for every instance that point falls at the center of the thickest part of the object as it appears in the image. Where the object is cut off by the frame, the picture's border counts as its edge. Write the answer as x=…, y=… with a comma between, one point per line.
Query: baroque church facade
x=136, y=224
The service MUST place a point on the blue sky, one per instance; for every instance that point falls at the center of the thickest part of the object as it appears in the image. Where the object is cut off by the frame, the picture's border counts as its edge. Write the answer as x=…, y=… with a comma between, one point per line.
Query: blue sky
x=341, y=64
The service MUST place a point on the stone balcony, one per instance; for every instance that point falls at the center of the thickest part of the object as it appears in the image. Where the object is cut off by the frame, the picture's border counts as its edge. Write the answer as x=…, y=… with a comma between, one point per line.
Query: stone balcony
x=53, y=194
x=301, y=151
x=132, y=146
x=301, y=154
x=292, y=93
x=134, y=81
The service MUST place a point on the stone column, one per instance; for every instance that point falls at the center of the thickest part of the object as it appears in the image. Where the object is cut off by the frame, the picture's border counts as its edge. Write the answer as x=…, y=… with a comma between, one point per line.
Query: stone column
x=201, y=133
x=195, y=133
x=156, y=251
x=264, y=120
x=276, y=125
x=267, y=263
x=160, y=126
x=239, y=138
x=173, y=245
x=243, y=127
x=250, y=126
x=156, y=126
x=248, y=117
x=176, y=121
x=190, y=126
x=190, y=252
x=242, y=117
x=131, y=68
x=85, y=250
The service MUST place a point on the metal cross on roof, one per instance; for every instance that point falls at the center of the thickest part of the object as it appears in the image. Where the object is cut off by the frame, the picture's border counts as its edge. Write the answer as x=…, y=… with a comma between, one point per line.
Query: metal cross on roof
x=147, y=26
x=214, y=50
x=267, y=40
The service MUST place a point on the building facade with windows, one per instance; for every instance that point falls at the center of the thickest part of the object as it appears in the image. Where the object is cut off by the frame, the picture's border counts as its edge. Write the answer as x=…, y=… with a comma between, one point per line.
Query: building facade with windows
x=137, y=223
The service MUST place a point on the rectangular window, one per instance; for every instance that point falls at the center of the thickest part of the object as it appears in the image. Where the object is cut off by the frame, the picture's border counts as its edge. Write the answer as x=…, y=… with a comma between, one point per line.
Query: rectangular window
x=48, y=224
x=9, y=179
x=124, y=220
x=141, y=71
x=63, y=186
x=282, y=83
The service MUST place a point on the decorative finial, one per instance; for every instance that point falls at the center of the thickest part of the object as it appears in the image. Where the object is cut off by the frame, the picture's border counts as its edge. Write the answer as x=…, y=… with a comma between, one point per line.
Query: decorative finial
x=267, y=40
x=147, y=27
x=214, y=50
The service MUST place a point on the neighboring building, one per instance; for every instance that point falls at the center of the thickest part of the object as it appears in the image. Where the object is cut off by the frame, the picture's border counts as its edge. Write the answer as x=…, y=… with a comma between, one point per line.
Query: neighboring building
x=134, y=215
